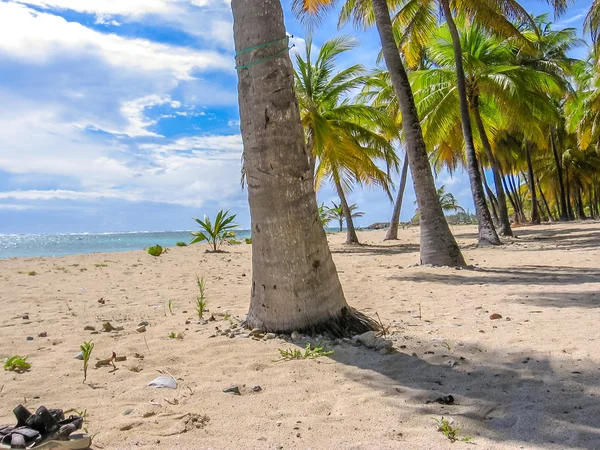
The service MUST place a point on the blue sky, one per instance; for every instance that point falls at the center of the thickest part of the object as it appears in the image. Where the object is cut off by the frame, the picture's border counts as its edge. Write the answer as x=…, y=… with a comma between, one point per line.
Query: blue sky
x=121, y=115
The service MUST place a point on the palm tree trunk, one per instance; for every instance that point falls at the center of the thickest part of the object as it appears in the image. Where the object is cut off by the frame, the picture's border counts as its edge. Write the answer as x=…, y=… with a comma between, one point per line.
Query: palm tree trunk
x=392, y=232
x=568, y=195
x=295, y=285
x=351, y=237
x=579, y=204
x=487, y=232
x=438, y=246
x=564, y=216
x=491, y=197
x=510, y=197
x=535, y=214
x=546, y=205
x=504, y=228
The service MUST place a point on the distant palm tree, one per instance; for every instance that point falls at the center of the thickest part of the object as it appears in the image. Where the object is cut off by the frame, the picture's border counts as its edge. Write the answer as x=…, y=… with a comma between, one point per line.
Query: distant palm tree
x=345, y=138
x=337, y=213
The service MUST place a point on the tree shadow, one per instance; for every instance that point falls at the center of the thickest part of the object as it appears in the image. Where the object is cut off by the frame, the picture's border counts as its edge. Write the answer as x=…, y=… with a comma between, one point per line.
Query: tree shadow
x=371, y=249
x=503, y=396
x=523, y=275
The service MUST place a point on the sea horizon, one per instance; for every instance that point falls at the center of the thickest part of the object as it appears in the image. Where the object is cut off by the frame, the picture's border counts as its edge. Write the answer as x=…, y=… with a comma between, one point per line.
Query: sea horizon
x=26, y=245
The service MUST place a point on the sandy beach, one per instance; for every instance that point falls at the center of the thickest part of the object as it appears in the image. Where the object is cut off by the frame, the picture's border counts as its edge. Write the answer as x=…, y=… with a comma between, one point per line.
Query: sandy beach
x=530, y=379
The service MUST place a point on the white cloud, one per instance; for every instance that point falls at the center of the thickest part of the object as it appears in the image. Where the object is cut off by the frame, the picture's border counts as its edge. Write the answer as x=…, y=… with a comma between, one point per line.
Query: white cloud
x=209, y=19
x=226, y=146
x=39, y=37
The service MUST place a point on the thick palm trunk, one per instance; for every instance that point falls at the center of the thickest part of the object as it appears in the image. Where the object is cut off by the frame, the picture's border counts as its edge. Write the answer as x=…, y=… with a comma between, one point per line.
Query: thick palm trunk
x=351, y=237
x=564, y=215
x=438, y=246
x=487, y=232
x=294, y=280
x=535, y=213
x=392, y=232
x=504, y=229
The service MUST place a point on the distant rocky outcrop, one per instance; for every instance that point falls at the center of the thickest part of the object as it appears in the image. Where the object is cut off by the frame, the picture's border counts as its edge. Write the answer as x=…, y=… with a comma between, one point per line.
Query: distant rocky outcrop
x=378, y=226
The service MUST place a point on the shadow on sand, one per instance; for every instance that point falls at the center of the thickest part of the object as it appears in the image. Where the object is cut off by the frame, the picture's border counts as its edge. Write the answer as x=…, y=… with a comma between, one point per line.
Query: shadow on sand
x=548, y=404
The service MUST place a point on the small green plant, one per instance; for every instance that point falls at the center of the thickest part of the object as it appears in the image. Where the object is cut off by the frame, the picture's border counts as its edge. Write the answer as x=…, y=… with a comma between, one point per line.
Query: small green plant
x=17, y=364
x=445, y=427
x=101, y=265
x=181, y=244
x=173, y=335
x=248, y=241
x=33, y=273
x=86, y=349
x=310, y=352
x=170, y=305
x=217, y=233
x=157, y=250
x=201, y=298
x=227, y=316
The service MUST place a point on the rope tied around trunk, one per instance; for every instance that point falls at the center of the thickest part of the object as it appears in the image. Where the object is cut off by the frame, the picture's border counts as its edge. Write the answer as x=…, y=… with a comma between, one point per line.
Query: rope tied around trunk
x=285, y=39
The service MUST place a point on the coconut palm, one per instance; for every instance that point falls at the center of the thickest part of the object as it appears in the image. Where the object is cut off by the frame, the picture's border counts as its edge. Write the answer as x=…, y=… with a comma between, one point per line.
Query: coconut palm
x=438, y=246
x=346, y=138
x=502, y=94
x=295, y=285
x=336, y=212
x=592, y=24
x=550, y=55
x=379, y=90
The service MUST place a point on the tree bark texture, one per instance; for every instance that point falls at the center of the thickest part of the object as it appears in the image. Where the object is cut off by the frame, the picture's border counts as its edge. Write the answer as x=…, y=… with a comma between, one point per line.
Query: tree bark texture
x=438, y=246
x=294, y=280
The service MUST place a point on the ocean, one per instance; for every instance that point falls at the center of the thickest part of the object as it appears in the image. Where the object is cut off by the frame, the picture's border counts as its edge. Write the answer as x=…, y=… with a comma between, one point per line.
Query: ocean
x=26, y=245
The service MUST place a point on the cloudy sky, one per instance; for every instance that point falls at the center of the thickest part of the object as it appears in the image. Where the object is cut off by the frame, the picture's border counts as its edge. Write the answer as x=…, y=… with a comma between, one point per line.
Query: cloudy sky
x=121, y=115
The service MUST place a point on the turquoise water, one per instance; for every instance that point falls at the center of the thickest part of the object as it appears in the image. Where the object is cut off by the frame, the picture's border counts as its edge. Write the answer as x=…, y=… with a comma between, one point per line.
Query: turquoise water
x=24, y=245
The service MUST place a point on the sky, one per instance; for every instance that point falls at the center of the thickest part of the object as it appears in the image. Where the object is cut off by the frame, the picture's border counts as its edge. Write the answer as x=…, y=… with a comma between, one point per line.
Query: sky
x=121, y=115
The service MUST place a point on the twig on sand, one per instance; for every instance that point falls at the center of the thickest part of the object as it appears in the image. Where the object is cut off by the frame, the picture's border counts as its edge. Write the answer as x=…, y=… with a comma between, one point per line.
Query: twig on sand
x=146, y=344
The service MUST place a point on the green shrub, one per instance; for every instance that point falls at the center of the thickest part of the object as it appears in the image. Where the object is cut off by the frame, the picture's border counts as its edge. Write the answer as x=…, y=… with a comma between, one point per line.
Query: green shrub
x=248, y=241
x=181, y=244
x=157, y=250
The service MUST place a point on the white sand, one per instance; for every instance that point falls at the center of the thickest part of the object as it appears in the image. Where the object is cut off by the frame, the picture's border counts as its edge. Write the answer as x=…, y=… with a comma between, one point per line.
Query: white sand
x=530, y=382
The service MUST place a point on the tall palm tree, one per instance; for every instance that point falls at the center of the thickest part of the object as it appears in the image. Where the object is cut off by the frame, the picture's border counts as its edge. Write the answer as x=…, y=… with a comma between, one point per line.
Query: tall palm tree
x=592, y=24
x=550, y=55
x=346, y=138
x=294, y=280
x=438, y=246
x=379, y=90
x=500, y=93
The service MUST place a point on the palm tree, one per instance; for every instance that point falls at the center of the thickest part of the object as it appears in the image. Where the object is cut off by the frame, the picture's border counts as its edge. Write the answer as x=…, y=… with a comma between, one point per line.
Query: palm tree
x=550, y=55
x=438, y=246
x=346, y=138
x=592, y=24
x=380, y=92
x=294, y=280
x=336, y=212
